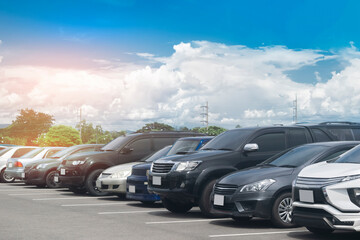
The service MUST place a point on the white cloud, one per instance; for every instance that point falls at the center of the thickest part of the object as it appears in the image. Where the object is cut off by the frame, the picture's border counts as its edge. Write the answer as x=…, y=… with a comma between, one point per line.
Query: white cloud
x=246, y=86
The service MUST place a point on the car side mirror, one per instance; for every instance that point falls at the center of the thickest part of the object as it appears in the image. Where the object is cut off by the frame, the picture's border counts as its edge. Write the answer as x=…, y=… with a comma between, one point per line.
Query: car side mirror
x=251, y=147
x=126, y=150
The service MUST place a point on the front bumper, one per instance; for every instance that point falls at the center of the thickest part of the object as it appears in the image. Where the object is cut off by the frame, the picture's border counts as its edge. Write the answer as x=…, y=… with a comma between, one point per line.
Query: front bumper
x=253, y=204
x=17, y=173
x=35, y=176
x=137, y=189
x=71, y=176
x=113, y=185
x=324, y=216
x=174, y=185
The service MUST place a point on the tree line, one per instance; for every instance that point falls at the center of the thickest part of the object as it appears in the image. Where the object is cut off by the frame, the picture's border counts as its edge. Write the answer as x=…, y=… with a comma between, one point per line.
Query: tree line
x=33, y=128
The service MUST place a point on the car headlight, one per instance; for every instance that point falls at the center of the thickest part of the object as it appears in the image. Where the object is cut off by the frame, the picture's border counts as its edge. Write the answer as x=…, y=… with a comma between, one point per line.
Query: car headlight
x=122, y=174
x=258, y=186
x=42, y=165
x=349, y=178
x=187, y=166
x=354, y=194
x=75, y=163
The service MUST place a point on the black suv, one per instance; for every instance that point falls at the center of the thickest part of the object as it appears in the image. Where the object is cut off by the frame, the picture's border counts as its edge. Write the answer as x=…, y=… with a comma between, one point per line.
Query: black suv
x=79, y=173
x=186, y=180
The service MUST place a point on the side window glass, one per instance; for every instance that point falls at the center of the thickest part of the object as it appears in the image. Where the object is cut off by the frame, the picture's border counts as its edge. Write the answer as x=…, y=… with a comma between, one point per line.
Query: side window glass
x=270, y=142
x=141, y=146
x=21, y=151
x=320, y=136
x=356, y=133
x=297, y=137
x=341, y=133
x=51, y=152
x=90, y=149
x=159, y=143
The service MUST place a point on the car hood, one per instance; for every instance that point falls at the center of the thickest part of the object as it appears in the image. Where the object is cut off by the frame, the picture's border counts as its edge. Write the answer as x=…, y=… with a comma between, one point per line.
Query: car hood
x=89, y=155
x=120, y=168
x=200, y=155
x=255, y=174
x=330, y=170
x=142, y=166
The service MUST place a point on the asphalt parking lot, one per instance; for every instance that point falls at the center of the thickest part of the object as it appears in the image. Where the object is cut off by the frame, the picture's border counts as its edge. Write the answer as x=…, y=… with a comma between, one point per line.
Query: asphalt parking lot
x=29, y=212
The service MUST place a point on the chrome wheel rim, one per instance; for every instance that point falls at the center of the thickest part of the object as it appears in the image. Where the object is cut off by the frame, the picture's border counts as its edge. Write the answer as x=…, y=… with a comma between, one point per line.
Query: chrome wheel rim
x=7, y=178
x=285, y=210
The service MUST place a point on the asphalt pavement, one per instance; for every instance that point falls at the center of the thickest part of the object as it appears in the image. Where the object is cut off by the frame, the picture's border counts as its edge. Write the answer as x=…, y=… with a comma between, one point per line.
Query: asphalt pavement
x=28, y=212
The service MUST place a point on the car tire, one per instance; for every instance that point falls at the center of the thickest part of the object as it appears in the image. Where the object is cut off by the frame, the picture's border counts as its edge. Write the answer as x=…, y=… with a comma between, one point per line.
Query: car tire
x=90, y=183
x=281, y=214
x=5, y=178
x=148, y=203
x=320, y=231
x=77, y=190
x=176, y=207
x=49, y=179
x=205, y=202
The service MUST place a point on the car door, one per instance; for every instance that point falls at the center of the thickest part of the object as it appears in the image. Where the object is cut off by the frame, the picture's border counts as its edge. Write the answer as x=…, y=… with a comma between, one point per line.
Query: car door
x=135, y=150
x=270, y=142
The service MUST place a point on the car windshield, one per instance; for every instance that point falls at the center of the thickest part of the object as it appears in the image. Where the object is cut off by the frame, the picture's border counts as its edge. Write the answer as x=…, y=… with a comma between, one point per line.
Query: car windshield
x=161, y=153
x=352, y=156
x=183, y=146
x=64, y=152
x=115, y=144
x=32, y=153
x=2, y=152
x=229, y=140
x=296, y=156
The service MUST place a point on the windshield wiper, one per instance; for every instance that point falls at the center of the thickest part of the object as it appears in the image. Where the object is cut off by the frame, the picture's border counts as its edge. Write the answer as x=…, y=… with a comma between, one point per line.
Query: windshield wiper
x=225, y=149
x=288, y=166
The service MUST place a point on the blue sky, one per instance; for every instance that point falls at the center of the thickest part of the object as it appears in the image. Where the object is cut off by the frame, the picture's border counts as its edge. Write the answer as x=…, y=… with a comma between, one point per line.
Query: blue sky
x=130, y=35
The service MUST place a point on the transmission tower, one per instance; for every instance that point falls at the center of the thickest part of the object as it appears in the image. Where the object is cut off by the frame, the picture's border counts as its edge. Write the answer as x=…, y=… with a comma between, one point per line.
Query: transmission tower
x=295, y=110
x=205, y=115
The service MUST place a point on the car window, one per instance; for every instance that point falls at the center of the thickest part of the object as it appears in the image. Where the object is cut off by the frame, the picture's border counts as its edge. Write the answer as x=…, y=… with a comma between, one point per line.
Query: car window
x=352, y=156
x=21, y=151
x=341, y=134
x=356, y=133
x=2, y=152
x=270, y=142
x=32, y=153
x=159, y=143
x=141, y=145
x=297, y=137
x=89, y=149
x=334, y=155
x=320, y=136
x=183, y=146
x=161, y=153
x=116, y=143
x=51, y=152
x=228, y=140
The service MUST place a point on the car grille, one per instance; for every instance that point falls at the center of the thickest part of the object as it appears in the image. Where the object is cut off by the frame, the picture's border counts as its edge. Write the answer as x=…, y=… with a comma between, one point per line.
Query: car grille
x=162, y=167
x=138, y=172
x=225, y=189
x=317, y=182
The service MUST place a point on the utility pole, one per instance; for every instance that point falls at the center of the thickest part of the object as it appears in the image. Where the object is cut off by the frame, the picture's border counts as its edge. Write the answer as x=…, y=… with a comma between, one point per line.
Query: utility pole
x=205, y=115
x=80, y=123
x=295, y=110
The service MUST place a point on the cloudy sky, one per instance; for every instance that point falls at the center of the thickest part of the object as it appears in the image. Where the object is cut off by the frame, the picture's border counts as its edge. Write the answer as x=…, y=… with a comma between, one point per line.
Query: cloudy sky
x=130, y=62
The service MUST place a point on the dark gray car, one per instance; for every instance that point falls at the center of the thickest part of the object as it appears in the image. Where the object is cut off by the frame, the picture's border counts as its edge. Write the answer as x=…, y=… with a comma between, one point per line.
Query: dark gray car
x=265, y=190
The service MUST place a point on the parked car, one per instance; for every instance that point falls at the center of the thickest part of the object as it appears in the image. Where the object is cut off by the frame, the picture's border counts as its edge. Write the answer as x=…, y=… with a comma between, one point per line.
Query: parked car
x=265, y=190
x=11, y=152
x=42, y=172
x=15, y=166
x=113, y=179
x=82, y=172
x=327, y=195
x=188, y=180
x=137, y=182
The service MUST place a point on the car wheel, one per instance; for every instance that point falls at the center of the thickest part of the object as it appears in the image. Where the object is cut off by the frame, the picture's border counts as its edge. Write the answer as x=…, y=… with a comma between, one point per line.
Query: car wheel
x=320, y=231
x=6, y=178
x=77, y=190
x=241, y=219
x=205, y=202
x=49, y=179
x=90, y=183
x=176, y=207
x=282, y=211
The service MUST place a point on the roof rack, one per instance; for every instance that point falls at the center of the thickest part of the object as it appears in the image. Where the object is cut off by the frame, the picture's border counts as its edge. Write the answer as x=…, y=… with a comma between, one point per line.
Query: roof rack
x=339, y=123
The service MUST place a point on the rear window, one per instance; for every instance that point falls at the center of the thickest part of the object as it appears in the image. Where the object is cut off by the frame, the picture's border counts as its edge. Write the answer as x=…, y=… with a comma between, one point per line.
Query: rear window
x=33, y=153
x=21, y=151
x=320, y=136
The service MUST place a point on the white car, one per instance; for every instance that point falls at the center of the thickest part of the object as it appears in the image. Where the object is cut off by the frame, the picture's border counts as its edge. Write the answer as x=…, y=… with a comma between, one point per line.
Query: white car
x=327, y=195
x=11, y=152
x=15, y=166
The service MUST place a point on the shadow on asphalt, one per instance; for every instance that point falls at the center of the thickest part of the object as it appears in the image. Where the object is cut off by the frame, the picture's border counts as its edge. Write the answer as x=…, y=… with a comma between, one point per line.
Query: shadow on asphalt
x=253, y=223
x=337, y=235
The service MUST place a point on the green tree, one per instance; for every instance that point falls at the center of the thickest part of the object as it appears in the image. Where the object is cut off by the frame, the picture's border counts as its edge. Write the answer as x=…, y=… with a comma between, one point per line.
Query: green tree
x=155, y=126
x=89, y=134
x=212, y=130
x=60, y=135
x=29, y=125
x=238, y=126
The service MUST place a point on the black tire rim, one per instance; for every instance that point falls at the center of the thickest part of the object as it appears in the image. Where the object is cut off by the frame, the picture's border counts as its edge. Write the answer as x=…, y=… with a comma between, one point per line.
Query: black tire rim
x=51, y=180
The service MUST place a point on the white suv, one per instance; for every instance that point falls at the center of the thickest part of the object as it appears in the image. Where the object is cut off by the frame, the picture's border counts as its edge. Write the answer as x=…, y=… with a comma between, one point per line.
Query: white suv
x=327, y=195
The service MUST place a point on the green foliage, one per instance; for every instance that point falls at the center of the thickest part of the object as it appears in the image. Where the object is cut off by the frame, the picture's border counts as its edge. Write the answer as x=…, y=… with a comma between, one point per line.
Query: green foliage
x=155, y=126
x=60, y=135
x=238, y=126
x=89, y=134
x=28, y=126
x=212, y=130
x=15, y=141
